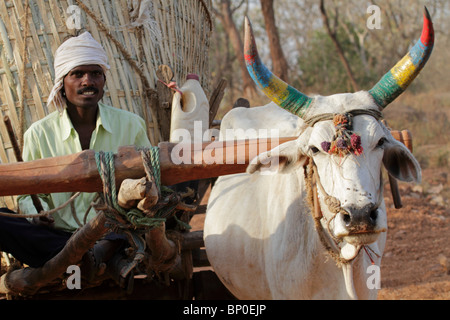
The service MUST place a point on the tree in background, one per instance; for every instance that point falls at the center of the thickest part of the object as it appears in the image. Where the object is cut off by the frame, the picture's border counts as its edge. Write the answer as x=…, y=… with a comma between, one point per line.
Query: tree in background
x=280, y=66
x=310, y=54
x=333, y=36
x=225, y=15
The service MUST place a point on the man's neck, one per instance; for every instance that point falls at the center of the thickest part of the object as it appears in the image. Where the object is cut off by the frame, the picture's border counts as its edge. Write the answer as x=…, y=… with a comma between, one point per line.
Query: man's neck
x=84, y=121
x=82, y=116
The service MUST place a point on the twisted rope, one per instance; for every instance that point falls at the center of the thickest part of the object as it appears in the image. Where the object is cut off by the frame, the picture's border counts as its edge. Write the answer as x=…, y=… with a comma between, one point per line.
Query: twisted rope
x=165, y=207
x=330, y=116
x=42, y=213
x=106, y=169
x=328, y=242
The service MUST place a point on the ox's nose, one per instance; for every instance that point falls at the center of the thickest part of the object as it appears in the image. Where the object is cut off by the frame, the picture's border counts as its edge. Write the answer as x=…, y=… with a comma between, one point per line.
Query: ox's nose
x=360, y=220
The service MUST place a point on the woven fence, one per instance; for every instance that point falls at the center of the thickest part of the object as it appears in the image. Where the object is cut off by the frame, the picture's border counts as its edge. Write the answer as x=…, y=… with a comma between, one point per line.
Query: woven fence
x=138, y=36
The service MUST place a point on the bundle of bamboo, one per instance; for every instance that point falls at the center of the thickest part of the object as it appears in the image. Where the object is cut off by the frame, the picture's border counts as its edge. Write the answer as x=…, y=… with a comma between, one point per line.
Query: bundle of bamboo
x=138, y=36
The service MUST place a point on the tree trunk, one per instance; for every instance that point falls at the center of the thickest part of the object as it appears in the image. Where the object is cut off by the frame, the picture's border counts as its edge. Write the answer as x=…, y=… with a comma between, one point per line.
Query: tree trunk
x=339, y=50
x=280, y=65
x=226, y=17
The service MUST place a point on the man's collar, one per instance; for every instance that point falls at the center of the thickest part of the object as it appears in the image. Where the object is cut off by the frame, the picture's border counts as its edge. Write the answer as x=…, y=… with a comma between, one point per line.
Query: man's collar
x=67, y=126
x=103, y=119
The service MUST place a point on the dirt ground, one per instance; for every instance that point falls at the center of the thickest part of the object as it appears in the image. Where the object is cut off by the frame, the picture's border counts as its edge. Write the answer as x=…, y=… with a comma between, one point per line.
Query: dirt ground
x=416, y=261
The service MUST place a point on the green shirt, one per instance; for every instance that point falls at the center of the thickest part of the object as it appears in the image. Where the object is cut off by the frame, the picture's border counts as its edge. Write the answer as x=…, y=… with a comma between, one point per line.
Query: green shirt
x=55, y=136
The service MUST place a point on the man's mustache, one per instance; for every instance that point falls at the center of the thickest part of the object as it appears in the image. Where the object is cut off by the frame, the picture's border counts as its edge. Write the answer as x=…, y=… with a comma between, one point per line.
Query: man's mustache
x=88, y=89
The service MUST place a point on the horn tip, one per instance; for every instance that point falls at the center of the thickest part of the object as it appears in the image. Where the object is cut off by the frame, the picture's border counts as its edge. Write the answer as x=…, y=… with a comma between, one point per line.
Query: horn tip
x=250, y=50
x=427, y=37
x=426, y=13
x=247, y=26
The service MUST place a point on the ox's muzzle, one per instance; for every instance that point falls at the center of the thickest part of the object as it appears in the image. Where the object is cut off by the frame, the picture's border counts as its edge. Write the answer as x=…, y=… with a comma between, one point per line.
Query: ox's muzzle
x=358, y=225
x=359, y=220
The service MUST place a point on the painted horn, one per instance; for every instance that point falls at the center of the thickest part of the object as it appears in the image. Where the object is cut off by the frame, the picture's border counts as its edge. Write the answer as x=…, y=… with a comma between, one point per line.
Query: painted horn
x=393, y=83
x=276, y=89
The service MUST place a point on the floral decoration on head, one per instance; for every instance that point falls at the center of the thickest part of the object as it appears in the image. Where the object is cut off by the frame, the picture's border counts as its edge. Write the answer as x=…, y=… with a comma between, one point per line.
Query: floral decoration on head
x=345, y=141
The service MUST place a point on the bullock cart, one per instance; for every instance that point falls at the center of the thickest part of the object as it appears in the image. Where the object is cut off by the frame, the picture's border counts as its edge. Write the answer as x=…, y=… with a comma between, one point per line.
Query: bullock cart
x=164, y=253
x=150, y=47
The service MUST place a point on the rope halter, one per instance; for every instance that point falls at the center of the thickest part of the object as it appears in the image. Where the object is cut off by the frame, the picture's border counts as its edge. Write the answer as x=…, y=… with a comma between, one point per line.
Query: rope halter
x=344, y=142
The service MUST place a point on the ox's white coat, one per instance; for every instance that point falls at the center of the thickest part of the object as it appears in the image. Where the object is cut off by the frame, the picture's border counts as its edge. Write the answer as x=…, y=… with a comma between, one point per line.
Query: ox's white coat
x=259, y=233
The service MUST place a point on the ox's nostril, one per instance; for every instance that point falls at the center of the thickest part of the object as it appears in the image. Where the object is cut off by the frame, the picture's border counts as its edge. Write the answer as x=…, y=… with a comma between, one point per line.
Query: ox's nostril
x=373, y=215
x=347, y=219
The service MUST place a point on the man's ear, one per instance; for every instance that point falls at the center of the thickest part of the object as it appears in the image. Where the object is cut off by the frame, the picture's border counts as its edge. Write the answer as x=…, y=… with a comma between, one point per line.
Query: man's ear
x=400, y=162
x=284, y=158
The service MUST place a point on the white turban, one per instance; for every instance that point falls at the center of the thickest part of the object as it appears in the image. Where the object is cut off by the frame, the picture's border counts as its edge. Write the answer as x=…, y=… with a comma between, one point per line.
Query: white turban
x=76, y=51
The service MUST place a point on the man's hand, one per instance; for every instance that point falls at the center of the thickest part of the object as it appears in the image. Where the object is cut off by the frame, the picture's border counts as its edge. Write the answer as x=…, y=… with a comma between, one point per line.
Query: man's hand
x=44, y=221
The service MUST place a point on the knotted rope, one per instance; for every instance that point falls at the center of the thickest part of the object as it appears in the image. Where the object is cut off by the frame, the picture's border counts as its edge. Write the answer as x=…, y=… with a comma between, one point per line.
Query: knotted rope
x=328, y=240
x=330, y=116
x=136, y=218
x=345, y=141
x=333, y=205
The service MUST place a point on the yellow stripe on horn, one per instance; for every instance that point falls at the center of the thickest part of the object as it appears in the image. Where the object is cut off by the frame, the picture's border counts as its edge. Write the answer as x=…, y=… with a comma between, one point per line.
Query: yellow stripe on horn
x=403, y=70
x=276, y=90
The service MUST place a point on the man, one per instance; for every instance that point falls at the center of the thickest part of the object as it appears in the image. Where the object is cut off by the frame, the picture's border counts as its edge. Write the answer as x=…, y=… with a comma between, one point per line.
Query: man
x=80, y=122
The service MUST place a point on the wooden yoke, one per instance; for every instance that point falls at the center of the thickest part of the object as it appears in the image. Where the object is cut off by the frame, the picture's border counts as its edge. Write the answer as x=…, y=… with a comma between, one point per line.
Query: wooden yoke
x=404, y=137
x=178, y=162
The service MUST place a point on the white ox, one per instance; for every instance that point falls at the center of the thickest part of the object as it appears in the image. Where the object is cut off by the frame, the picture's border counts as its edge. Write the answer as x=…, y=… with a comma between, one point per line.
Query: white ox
x=261, y=234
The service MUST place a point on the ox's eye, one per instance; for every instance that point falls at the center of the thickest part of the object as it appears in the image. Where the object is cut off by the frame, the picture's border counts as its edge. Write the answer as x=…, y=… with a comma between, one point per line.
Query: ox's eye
x=314, y=150
x=381, y=142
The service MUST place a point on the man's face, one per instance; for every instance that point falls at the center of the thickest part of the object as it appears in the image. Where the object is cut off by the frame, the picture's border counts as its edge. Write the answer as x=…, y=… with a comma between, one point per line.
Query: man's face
x=83, y=86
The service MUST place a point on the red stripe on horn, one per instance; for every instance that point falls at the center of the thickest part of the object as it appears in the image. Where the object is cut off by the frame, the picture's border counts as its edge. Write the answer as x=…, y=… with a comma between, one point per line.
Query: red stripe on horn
x=250, y=58
x=427, y=37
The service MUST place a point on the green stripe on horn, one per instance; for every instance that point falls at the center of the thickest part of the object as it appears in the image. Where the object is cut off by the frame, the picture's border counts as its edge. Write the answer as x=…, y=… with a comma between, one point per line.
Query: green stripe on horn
x=276, y=89
x=393, y=83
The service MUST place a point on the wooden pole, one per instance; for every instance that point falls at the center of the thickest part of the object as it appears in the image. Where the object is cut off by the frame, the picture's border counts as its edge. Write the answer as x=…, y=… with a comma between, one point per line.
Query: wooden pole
x=179, y=163
x=404, y=137
x=12, y=137
x=27, y=281
x=78, y=172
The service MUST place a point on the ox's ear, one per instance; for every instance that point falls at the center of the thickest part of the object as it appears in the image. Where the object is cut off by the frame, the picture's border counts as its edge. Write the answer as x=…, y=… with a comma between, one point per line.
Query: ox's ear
x=284, y=158
x=400, y=162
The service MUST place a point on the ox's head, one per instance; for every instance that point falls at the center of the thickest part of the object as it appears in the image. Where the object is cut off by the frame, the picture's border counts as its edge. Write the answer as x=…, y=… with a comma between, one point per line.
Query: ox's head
x=345, y=140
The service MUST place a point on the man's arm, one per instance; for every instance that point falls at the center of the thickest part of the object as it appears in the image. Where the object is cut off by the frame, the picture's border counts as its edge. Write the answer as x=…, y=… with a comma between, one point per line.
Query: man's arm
x=26, y=206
